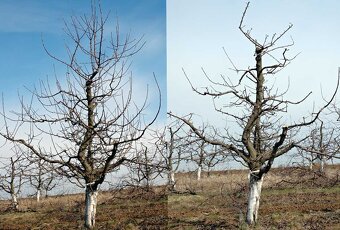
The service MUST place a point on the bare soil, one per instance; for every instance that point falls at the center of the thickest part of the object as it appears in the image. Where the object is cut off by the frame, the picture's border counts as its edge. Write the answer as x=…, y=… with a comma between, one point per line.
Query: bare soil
x=292, y=198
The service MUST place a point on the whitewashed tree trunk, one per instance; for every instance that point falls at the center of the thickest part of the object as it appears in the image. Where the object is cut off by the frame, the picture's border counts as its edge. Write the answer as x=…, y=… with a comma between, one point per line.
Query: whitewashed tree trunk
x=199, y=172
x=15, y=201
x=38, y=195
x=90, y=207
x=322, y=164
x=172, y=181
x=255, y=187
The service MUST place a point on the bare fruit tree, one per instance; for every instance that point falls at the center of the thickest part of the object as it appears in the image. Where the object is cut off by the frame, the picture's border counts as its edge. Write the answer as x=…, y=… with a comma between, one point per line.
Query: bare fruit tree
x=41, y=176
x=172, y=145
x=146, y=166
x=86, y=123
x=321, y=146
x=203, y=154
x=12, y=178
x=258, y=108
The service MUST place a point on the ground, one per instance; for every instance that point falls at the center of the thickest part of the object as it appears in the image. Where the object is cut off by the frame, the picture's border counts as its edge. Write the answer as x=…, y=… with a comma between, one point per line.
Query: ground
x=292, y=198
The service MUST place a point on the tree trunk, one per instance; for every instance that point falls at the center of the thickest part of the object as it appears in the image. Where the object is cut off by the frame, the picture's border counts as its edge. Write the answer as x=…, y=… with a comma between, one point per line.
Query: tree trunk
x=172, y=181
x=208, y=173
x=199, y=171
x=322, y=164
x=15, y=204
x=90, y=207
x=46, y=192
x=255, y=186
x=38, y=195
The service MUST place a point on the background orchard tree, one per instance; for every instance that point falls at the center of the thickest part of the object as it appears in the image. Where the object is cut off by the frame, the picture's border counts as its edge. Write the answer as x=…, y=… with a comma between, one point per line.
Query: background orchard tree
x=145, y=167
x=214, y=157
x=321, y=146
x=12, y=176
x=41, y=175
x=89, y=117
x=258, y=108
x=198, y=155
x=172, y=146
x=203, y=154
x=51, y=182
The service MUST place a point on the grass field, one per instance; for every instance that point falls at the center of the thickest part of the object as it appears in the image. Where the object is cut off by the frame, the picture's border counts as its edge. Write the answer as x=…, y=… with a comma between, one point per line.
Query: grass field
x=292, y=198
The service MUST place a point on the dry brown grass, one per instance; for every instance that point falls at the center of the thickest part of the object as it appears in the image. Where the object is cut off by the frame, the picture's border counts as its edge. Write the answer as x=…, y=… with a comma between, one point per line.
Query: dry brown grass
x=292, y=198
x=128, y=209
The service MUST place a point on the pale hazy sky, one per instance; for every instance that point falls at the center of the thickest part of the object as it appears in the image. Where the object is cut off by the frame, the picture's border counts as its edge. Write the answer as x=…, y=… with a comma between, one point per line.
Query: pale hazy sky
x=198, y=29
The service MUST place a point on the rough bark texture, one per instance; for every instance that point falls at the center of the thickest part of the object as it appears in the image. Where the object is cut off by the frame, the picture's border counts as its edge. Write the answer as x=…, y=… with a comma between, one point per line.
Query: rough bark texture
x=255, y=187
x=90, y=207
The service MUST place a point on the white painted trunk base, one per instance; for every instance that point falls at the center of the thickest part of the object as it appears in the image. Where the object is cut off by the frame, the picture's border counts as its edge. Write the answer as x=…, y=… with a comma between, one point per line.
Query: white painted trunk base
x=199, y=172
x=38, y=195
x=172, y=181
x=15, y=201
x=90, y=208
x=322, y=165
x=255, y=187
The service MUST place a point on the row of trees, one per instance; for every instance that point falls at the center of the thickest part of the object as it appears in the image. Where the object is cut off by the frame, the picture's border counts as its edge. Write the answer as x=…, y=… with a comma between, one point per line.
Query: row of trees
x=156, y=159
x=87, y=125
x=23, y=171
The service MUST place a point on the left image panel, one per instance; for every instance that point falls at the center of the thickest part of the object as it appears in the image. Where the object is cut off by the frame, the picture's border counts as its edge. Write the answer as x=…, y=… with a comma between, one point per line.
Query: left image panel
x=83, y=113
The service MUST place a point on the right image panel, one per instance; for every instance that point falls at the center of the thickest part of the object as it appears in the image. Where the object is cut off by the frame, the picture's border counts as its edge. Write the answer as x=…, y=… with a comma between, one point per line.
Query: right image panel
x=253, y=114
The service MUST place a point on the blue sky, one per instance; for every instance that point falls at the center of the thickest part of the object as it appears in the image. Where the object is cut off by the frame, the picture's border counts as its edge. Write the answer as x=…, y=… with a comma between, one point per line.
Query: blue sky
x=25, y=23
